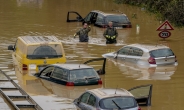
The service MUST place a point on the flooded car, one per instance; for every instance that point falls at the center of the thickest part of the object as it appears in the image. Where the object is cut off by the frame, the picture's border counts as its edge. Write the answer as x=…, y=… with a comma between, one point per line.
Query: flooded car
x=101, y=19
x=36, y=52
x=144, y=55
x=71, y=74
x=110, y=99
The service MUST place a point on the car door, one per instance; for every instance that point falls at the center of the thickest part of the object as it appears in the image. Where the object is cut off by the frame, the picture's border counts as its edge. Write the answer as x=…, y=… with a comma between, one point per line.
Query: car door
x=100, y=21
x=91, y=104
x=82, y=101
x=60, y=75
x=73, y=16
x=133, y=55
x=142, y=94
x=89, y=17
x=121, y=54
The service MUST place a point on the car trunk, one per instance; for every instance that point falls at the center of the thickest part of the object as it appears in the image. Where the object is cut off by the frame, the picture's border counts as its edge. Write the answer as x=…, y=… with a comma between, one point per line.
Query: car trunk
x=82, y=82
x=163, y=56
x=165, y=60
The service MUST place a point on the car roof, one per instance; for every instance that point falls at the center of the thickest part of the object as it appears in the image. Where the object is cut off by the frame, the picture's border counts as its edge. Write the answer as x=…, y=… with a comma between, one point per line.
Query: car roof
x=148, y=47
x=73, y=66
x=106, y=13
x=39, y=39
x=106, y=92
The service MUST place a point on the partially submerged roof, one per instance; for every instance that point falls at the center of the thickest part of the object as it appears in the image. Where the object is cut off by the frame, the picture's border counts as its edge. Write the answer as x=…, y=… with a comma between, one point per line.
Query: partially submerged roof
x=112, y=12
x=73, y=66
x=104, y=92
x=39, y=39
x=148, y=47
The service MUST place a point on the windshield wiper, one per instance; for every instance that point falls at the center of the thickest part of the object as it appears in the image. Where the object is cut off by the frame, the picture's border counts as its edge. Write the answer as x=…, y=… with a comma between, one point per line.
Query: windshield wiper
x=90, y=77
x=115, y=21
x=116, y=104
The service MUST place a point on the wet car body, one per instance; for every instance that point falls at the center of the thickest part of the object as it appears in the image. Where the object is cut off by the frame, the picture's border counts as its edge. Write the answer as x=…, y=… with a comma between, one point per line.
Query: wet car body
x=110, y=99
x=101, y=19
x=144, y=55
x=70, y=74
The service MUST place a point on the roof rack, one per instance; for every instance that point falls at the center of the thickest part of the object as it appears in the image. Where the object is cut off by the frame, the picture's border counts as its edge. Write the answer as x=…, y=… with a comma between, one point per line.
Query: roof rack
x=20, y=101
x=39, y=39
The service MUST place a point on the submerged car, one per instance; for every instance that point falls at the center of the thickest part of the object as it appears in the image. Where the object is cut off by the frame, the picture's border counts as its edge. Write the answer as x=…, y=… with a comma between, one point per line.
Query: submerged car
x=115, y=99
x=144, y=55
x=101, y=19
x=36, y=52
x=72, y=74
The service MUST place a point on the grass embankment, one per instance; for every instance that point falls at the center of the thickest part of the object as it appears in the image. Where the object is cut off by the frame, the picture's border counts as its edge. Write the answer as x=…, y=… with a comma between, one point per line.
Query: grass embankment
x=172, y=10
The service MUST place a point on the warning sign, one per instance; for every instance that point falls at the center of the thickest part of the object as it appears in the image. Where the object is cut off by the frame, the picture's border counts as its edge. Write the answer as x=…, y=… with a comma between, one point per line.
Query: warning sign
x=165, y=26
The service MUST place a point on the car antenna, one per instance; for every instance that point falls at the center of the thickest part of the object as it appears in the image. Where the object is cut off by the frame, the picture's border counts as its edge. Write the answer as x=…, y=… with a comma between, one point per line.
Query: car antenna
x=80, y=64
x=116, y=89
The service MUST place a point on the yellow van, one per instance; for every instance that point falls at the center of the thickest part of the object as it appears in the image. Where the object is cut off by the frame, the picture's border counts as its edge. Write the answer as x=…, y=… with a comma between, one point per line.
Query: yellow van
x=35, y=52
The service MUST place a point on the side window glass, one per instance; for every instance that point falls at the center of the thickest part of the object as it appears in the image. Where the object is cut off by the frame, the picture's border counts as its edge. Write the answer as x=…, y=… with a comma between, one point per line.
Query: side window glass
x=84, y=97
x=60, y=73
x=47, y=71
x=88, y=17
x=92, y=100
x=137, y=52
x=100, y=19
x=124, y=51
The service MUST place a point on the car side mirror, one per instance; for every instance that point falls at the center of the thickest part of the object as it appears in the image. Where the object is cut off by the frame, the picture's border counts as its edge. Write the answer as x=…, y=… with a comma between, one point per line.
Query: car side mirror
x=115, y=55
x=10, y=47
x=77, y=101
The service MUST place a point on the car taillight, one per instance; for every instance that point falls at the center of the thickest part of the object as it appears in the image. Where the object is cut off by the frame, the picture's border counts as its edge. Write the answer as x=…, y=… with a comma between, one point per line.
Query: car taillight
x=128, y=26
x=151, y=60
x=24, y=67
x=99, y=81
x=69, y=84
x=139, y=108
x=175, y=59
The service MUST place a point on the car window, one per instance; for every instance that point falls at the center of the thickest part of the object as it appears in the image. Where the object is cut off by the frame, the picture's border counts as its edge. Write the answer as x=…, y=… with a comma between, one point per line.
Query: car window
x=136, y=52
x=124, y=51
x=92, y=100
x=60, y=73
x=47, y=71
x=84, y=97
x=117, y=19
x=44, y=51
x=161, y=53
x=100, y=18
x=82, y=74
x=88, y=17
x=118, y=102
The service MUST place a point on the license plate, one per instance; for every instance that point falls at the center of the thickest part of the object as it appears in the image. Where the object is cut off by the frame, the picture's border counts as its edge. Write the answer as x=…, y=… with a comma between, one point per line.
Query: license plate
x=32, y=66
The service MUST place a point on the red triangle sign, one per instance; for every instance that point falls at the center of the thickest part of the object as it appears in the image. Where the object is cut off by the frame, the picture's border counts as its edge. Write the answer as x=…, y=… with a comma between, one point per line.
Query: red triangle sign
x=165, y=26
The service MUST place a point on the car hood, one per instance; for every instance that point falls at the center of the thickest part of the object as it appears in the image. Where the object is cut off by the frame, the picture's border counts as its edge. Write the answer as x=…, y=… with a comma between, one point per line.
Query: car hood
x=108, y=55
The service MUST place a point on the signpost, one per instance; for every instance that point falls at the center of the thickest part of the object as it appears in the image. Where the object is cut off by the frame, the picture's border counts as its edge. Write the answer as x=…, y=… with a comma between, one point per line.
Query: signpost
x=164, y=29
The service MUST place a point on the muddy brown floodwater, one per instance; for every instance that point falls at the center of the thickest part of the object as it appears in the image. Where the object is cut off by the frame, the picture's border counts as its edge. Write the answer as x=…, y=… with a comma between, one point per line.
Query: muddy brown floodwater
x=48, y=17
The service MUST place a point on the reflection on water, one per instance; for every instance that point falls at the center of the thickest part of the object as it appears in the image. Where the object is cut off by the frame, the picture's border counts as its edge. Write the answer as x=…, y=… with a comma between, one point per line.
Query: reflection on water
x=148, y=73
x=36, y=3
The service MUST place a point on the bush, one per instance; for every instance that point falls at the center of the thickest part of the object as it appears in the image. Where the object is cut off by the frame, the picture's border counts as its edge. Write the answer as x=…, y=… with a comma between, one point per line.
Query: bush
x=172, y=10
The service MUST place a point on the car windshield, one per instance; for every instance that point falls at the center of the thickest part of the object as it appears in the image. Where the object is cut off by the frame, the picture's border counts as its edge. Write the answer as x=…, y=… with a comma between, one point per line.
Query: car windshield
x=44, y=51
x=83, y=74
x=161, y=53
x=117, y=19
x=118, y=103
